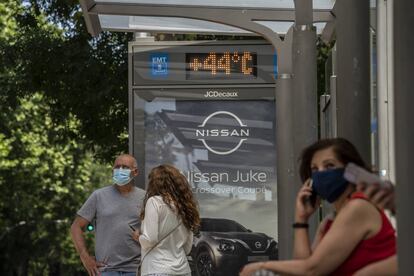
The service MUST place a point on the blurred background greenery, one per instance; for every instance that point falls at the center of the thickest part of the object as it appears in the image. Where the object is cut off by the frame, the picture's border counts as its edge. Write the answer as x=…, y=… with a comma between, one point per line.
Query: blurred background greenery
x=63, y=117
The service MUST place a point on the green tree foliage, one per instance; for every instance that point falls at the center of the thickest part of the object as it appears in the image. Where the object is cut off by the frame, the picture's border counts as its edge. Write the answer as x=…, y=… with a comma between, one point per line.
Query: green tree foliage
x=45, y=175
x=7, y=24
x=50, y=51
x=323, y=53
x=63, y=102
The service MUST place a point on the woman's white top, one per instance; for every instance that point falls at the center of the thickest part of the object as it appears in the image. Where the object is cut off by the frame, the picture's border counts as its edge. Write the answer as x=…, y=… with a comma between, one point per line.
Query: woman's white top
x=170, y=255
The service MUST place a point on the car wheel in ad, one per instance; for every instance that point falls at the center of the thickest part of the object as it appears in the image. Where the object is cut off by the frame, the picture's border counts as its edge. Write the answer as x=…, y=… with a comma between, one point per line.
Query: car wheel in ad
x=204, y=264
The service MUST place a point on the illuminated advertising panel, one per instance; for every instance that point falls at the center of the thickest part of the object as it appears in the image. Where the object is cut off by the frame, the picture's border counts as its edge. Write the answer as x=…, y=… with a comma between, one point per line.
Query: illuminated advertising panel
x=221, y=138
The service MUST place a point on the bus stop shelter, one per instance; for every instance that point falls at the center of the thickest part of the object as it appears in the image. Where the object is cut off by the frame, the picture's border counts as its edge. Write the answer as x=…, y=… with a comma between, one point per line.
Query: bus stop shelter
x=292, y=28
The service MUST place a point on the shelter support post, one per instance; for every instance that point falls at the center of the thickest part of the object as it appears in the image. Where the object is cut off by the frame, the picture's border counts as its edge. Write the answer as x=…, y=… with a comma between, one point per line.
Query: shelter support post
x=404, y=130
x=296, y=118
x=286, y=175
x=353, y=87
x=385, y=89
x=304, y=103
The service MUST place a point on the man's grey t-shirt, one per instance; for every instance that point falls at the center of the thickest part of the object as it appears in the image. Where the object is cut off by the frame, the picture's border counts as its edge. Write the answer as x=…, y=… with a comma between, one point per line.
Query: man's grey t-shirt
x=113, y=237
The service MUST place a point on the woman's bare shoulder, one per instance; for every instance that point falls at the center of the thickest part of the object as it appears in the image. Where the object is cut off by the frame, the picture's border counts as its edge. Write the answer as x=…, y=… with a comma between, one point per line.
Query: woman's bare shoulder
x=360, y=211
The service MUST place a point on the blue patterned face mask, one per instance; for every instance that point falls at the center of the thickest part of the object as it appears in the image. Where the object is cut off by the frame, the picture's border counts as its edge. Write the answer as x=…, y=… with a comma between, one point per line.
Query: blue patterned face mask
x=329, y=184
x=121, y=176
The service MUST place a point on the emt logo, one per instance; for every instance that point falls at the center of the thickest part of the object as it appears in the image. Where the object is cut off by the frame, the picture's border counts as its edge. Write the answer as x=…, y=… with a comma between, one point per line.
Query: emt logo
x=159, y=64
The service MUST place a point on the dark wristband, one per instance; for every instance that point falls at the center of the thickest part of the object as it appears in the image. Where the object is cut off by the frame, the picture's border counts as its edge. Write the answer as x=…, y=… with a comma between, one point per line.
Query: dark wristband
x=300, y=225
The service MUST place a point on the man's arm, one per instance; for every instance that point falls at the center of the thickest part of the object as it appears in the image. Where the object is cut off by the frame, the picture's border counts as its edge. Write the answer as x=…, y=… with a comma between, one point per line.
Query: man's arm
x=76, y=232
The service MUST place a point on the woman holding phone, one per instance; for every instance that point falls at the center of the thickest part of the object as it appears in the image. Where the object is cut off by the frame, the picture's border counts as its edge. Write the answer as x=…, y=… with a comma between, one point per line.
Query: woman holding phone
x=356, y=235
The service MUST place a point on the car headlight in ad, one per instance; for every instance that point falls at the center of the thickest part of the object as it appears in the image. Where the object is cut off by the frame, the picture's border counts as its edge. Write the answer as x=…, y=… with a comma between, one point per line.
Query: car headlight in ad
x=225, y=245
x=270, y=241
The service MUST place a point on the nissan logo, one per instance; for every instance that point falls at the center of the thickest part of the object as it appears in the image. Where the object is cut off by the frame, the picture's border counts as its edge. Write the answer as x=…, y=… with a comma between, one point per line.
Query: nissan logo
x=224, y=133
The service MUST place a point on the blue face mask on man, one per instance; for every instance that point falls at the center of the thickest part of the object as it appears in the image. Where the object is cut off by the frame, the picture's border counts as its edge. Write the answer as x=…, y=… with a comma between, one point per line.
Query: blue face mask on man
x=121, y=176
x=329, y=184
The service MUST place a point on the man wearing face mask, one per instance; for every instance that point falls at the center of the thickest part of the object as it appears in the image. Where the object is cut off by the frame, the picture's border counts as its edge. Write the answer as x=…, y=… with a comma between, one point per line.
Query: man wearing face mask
x=114, y=209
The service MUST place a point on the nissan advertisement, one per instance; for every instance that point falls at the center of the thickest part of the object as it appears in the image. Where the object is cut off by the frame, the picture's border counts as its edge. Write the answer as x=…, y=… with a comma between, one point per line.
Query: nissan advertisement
x=226, y=149
x=208, y=108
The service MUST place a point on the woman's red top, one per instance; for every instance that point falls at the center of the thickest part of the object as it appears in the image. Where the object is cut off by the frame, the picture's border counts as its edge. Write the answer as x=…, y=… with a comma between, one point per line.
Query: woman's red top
x=376, y=248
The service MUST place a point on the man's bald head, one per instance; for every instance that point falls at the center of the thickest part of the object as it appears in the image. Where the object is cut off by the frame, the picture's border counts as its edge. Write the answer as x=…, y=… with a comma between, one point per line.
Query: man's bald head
x=126, y=160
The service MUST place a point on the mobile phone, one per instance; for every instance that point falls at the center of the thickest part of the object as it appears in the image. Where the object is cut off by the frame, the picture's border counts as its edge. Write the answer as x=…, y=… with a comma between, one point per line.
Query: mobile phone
x=355, y=174
x=132, y=227
x=312, y=198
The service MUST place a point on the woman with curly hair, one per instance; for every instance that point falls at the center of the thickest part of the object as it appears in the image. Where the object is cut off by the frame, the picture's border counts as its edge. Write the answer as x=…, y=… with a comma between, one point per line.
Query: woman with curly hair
x=169, y=218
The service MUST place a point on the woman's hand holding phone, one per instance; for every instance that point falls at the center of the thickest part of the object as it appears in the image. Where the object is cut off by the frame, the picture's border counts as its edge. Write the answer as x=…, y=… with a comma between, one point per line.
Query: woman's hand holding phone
x=306, y=202
x=135, y=233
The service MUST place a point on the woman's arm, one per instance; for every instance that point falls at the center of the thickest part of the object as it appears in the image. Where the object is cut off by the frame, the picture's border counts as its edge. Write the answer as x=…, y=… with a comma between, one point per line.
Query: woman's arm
x=301, y=244
x=188, y=245
x=387, y=267
x=355, y=222
x=304, y=209
x=320, y=231
x=149, y=236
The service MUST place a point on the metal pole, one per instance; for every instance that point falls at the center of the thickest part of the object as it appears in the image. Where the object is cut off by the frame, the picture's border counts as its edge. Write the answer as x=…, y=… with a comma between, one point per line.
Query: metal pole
x=285, y=159
x=304, y=87
x=333, y=86
x=353, y=95
x=385, y=89
x=304, y=93
x=390, y=77
x=404, y=130
x=286, y=175
x=133, y=113
x=296, y=116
